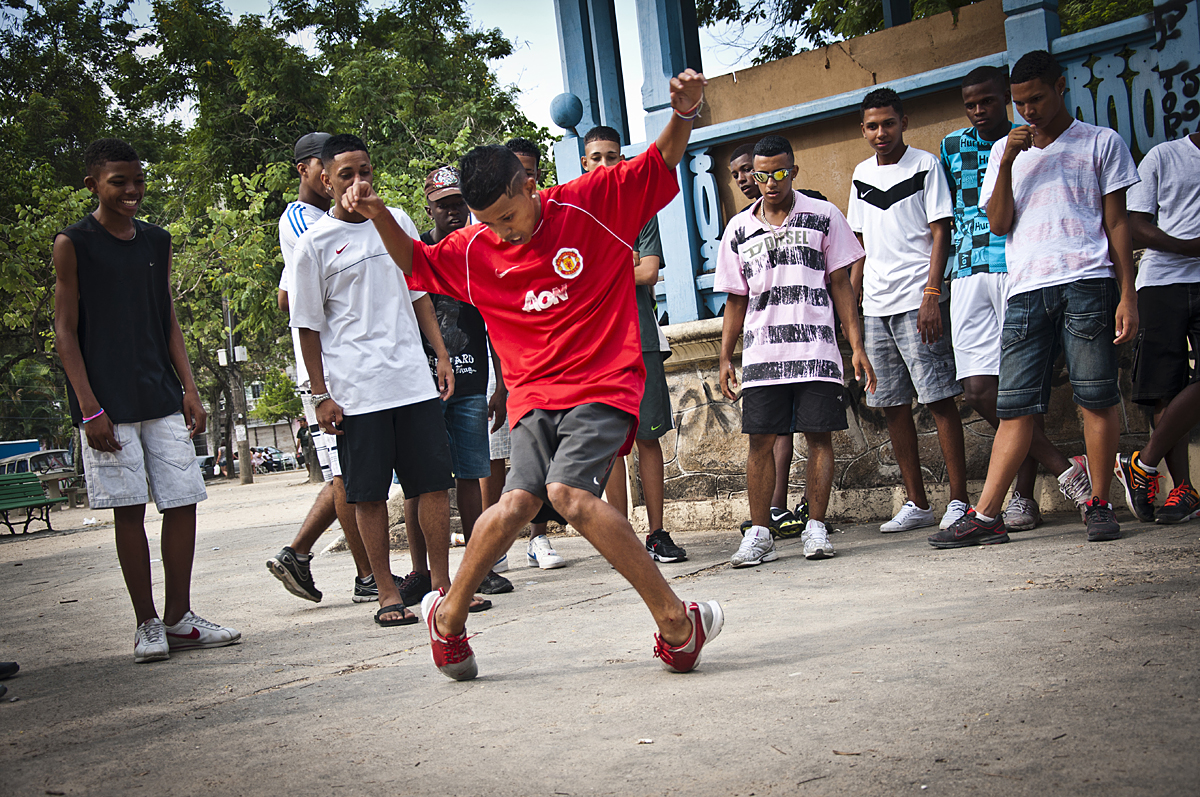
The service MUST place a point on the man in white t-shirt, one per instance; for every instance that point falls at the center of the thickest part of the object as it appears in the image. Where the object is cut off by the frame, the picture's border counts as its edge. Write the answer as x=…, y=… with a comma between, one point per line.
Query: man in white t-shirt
x=1164, y=215
x=370, y=379
x=1056, y=187
x=784, y=263
x=292, y=564
x=900, y=208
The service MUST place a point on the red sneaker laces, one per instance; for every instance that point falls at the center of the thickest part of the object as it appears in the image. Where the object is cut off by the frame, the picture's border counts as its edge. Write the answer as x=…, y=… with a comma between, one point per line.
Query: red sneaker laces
x=1177, y=496
x=455, y=648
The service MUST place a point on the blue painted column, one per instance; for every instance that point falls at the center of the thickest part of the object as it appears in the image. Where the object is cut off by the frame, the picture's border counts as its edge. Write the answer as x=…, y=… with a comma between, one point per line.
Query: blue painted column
x=1029, y=25
x=591, y=56
x=896, y=12
x=670, y=43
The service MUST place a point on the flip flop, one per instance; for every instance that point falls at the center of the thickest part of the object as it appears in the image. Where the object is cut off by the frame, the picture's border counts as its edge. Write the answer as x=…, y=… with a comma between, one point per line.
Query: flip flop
x=479, y=605
x=395, y=607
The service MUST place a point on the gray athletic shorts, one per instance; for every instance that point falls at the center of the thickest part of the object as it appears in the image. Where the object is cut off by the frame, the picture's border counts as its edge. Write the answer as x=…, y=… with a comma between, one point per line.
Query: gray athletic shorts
x=575, y=447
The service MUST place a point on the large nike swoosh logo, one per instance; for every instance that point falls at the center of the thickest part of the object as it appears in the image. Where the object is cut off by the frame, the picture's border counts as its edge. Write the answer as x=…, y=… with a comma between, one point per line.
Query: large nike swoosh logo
x=502, y=273
x=193, y=634
x=339, y=251
x=654, y=428
x=899, y=192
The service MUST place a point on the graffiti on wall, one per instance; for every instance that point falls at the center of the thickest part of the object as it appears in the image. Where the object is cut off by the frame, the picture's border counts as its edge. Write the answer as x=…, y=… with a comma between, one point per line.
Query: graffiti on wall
x=1177, y=41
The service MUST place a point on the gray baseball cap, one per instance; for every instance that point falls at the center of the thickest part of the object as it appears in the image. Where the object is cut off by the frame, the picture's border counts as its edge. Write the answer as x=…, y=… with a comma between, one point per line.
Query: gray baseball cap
x=309, y=146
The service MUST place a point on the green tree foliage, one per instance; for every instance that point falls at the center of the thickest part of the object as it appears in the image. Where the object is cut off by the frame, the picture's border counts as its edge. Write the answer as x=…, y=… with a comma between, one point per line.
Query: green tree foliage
x=214, y=104
x=279, y=400
x=32, y=405
x=797, y=25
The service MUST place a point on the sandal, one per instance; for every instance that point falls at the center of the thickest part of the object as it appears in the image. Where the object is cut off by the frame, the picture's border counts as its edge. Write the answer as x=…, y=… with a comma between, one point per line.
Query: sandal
x=479, y=605
x=406, y=617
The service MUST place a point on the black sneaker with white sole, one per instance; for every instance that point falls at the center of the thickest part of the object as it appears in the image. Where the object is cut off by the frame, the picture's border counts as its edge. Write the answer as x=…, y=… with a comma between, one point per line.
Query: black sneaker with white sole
x=293, y=572
x=415, y=586
x=663, y=549
x=366, y=590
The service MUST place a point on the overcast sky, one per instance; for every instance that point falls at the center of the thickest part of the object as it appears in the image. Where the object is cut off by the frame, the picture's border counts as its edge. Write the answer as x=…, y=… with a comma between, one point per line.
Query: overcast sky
x=536, y=68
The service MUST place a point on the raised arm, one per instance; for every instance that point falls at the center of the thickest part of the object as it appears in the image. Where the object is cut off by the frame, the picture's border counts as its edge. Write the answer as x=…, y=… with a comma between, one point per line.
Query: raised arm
x=361, y=198
x=687, y=90
x=1000, y=206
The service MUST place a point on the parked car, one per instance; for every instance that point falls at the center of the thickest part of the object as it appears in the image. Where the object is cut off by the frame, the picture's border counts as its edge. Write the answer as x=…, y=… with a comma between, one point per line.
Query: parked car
x=56, y=460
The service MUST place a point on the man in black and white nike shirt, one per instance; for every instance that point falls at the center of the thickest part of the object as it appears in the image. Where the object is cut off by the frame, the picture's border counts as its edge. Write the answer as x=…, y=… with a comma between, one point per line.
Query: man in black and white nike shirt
x=900, y=207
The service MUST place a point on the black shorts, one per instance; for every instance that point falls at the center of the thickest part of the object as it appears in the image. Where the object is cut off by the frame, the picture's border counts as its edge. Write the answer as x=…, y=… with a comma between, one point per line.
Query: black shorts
x=654, y=414
x=575, y=447
x=1169, y=317
x=794, y=407
x=409, y=440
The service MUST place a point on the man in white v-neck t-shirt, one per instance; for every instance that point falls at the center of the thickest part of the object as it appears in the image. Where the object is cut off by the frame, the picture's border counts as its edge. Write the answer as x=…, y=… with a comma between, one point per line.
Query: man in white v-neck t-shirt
x=1056, y=187
x=369, y=376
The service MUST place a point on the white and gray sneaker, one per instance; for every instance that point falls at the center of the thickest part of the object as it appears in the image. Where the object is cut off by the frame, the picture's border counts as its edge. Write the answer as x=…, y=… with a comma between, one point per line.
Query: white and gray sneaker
x=1076, y=484
x=816, y=541
x=1021, y=514
x=954, y=512
x=540, y=553
x=908, y=518
x=757, y=547
x=193, y=631
x=150, y=642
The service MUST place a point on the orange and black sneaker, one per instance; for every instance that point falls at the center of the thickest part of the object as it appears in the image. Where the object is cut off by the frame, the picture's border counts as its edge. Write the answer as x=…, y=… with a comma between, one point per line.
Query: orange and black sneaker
x=1141, y=486
x=1182, y=504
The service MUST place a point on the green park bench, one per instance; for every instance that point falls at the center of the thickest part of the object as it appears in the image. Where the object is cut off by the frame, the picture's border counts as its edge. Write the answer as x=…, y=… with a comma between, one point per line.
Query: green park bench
x=24, y=491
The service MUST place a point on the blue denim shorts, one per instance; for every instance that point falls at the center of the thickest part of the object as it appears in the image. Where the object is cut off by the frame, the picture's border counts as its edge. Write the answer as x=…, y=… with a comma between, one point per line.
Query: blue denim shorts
x=1077, y=318
x=904, y=365
x=467, y=425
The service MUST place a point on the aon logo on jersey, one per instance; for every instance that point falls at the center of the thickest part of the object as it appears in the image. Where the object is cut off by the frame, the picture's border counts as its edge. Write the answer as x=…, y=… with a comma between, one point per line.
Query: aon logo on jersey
x=536, y=302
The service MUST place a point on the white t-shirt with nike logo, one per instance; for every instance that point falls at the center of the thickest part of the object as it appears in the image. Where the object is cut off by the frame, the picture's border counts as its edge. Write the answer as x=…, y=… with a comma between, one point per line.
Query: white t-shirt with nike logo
x=347, y=288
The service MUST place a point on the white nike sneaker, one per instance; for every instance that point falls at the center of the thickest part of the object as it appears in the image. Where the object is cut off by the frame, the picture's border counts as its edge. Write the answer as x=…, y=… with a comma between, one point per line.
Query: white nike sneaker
x=194, y=631
x=816, y=541
x=754, y=549
x=540, y=553
x=908, y=518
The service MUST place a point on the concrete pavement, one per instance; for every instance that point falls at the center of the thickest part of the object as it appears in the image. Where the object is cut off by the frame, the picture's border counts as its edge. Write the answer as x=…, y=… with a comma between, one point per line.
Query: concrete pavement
x=1046, y=665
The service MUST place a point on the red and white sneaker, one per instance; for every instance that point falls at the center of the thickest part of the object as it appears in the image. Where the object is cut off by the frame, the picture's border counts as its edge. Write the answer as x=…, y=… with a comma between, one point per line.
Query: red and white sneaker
x=707, y=619
x=452, y=655
x=193, y=631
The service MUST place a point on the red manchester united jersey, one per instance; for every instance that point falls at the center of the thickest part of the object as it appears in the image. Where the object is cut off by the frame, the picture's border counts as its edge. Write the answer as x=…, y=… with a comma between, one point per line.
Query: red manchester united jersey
x=560, y=310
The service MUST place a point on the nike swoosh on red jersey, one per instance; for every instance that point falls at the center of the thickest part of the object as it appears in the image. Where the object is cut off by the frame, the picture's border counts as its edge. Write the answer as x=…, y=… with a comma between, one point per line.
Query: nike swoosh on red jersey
x=193, y=634
x=339, y=251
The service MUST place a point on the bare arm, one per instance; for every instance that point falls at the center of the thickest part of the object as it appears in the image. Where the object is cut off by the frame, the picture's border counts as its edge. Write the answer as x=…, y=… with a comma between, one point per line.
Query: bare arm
x=686, y=92
x=731, y=329
x=498, y=403
x=1000, y=206
x=856, y=272
x=929, y=317
x=1148, y=234
x=427, y=321
x=282, y=299
x=1120, y=247
x=193, y=410
x=328, y=411
x=645, y=269
x=361, y=198
x=842, y=292
x=100, y=434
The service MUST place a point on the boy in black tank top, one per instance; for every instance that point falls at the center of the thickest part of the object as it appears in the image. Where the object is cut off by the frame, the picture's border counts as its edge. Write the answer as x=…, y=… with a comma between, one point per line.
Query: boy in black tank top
x=131, y=393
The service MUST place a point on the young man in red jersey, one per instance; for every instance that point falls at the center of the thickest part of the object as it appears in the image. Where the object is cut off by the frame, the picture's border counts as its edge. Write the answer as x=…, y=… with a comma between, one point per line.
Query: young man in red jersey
x=549, y=271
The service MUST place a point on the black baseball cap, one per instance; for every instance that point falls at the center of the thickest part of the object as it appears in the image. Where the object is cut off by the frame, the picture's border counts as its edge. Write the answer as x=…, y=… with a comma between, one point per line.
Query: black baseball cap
x=309, y=146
